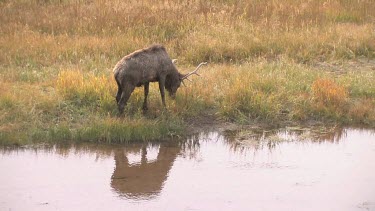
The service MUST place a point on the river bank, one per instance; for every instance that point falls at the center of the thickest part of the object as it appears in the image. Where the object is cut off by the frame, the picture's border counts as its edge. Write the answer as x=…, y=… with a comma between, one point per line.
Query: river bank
x=79, y=106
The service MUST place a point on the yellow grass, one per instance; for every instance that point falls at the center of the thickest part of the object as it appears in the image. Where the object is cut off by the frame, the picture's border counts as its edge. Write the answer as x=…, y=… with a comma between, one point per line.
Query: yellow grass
x=101, y=32
x=86, y=89
x=56, y=58
x=327, y=92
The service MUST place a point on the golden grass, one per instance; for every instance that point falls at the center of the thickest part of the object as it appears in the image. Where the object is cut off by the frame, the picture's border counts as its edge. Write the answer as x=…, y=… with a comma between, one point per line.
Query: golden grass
x=86, y=89
x=329, y=98
x=327, y=92
x=56, y=58
x=218, y=31
x=256, y=90
x=80, y=105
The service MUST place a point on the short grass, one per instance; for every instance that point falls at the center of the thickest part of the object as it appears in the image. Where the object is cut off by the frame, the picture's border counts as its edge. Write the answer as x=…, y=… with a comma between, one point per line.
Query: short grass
x=56, y=58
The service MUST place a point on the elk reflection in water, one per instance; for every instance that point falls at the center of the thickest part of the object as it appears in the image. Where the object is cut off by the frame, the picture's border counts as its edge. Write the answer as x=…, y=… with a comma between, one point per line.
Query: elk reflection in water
x=144, y=179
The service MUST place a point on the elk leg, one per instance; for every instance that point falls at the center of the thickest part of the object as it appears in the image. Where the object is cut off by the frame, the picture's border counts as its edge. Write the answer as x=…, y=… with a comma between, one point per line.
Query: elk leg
x=119, y=92
x=146, y=88
x=161, y=87
x=124, y=98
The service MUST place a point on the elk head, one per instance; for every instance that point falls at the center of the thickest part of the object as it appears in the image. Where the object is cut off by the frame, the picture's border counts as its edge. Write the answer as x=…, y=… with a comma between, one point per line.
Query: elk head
x=173, y=82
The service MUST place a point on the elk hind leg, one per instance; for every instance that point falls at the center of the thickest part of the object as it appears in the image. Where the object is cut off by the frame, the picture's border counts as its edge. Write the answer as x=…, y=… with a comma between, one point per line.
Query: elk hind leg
x=126, y=92
x=119, y=92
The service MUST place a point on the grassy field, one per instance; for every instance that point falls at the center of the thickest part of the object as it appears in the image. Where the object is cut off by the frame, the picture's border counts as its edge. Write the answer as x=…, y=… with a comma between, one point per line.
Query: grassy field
x=275, y=62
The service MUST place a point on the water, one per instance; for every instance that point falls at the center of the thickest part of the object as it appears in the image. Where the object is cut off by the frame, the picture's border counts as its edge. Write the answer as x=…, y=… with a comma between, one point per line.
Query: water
x=249, y=171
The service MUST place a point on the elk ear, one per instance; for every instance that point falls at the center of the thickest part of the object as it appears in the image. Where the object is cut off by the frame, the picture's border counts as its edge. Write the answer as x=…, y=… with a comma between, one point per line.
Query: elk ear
x=174, y=61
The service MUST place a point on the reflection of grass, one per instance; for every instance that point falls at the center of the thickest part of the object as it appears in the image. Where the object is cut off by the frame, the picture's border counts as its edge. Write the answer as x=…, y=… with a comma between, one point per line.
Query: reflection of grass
x=56, y=57
x=258, y=139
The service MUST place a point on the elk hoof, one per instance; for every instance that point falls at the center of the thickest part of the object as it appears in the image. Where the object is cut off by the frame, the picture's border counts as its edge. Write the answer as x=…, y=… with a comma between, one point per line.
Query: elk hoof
x=144, y=108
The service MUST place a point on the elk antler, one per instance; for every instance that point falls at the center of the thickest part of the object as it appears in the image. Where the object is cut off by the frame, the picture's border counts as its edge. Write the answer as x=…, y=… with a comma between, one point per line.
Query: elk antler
x=194, y=72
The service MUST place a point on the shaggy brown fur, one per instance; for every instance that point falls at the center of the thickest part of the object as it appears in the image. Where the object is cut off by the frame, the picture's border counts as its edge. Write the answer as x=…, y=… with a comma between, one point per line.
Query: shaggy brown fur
x=141, y=67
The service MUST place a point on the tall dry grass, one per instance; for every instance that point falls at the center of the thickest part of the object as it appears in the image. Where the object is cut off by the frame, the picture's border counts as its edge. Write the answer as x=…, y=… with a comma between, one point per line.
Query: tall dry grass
x=100, y=32
x=56, y=58
x=273, y=91
x=86, y=89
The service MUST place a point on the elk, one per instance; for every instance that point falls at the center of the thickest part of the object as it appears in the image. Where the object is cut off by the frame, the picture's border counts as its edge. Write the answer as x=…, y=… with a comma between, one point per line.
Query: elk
x=147, y=65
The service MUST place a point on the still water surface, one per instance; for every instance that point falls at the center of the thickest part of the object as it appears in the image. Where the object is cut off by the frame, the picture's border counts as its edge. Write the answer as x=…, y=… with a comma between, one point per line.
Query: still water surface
x=212, y=171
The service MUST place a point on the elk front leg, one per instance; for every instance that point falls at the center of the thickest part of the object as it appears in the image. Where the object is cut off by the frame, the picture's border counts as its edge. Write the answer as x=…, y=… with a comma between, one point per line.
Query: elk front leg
x=161, y=87
x=146, y=88
x=127, y=91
